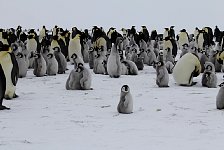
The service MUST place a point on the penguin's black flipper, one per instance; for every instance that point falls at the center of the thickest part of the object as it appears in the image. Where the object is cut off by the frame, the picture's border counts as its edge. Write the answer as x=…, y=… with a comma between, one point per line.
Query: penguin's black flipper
x=3, y=108
x=15, y=69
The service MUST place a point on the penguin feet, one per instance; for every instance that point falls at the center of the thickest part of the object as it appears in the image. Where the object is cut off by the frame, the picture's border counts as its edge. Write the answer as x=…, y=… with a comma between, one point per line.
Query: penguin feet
x=15, y=95
x=3, y=108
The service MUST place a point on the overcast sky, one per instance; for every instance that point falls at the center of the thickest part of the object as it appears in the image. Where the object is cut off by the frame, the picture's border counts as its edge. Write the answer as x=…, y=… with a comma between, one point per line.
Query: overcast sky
x=155, y=14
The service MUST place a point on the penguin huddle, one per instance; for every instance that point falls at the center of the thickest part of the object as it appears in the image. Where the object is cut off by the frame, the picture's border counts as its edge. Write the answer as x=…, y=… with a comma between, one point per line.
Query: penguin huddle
x=110, y=53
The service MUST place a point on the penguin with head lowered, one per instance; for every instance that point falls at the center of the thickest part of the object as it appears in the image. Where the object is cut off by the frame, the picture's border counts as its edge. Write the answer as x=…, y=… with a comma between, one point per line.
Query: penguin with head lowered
x=187, y=67
x=125, y=105
x=9, y=72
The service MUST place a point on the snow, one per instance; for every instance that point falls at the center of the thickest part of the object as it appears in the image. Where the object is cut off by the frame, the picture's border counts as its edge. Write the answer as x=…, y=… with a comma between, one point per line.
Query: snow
x=47, y=116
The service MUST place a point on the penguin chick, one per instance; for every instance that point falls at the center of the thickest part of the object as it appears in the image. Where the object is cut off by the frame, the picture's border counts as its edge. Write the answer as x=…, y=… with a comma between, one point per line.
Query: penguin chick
x=220, y=97
x=125, y=105
x=162, y=76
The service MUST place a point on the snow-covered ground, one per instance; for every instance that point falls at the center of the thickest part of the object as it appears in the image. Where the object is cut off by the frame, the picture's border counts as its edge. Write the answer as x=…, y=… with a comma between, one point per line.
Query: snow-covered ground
x=48, y=117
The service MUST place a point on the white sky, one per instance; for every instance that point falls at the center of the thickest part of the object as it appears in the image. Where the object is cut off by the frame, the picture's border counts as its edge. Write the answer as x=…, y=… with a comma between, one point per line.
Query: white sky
x=155, y=14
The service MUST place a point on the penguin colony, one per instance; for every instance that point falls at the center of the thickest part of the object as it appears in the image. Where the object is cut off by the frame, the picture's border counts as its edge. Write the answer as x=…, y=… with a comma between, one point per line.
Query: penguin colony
x=113, y=53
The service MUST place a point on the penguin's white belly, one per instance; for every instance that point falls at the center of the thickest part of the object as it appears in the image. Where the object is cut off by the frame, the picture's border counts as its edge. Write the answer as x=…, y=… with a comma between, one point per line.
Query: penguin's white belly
x=7, y=68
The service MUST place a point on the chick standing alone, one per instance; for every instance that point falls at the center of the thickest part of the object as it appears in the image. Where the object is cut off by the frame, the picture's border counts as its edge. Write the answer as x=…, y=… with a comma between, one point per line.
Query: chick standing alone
x=125, y=105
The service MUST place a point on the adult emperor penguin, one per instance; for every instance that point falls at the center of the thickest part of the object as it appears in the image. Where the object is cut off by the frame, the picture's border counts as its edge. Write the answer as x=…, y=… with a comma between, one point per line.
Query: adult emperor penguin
x=187, y=67
x=23, y=66
x=2, y=87
x=31, y=47
x=10, y=69
x=74, y=47
x=220, y=97
x=183, y=38
x=114, y=63
x=162, y=76
x=52, y=64
x=169, y=43
x=42, y=33
x=166, y=33
x=125, y=105
x=172, y=32
x=40, y=66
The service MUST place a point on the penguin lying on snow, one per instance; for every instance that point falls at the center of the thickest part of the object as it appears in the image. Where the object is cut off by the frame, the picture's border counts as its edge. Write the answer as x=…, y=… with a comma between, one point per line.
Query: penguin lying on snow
x=125, y=105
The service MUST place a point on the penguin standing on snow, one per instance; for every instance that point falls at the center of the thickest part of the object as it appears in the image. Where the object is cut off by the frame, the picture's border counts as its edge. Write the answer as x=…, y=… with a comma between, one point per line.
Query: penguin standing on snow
x=79, y=79
x=52, y=65
x=23, y=66
x=40, y=66
x=187, y=67
x=114, y=63
x=220, y=97
x=162, y=76
x=62, y=63
x=209, y=78
x=10, y=69
x=125, y=105
x=183, y=38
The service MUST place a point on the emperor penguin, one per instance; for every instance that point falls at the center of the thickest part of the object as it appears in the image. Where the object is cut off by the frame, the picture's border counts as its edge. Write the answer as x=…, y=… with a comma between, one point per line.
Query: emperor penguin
x=42, y=33
x=62, y=63
x=52, y=65
x=86, y=80
x=152, y=57
x=169, y=43
x=76, y=59
x=23, y=66
x=125, y=105
x=166, y=33
x=2, y=87
x=209, y=79
x=172, y=32
x=99, y=65
x=200, y=40
x=74, y=47
x=114, y=63
x=40, y=66
x=80, y=79
x=220, y=97
x=31, y=46
x=73, y=81
x=92, y=54
x=162, y=76
x=183, y=38
x=131, y=67
x=184, y=50
x=187, y=67
x=9, y=67
x=85, y=51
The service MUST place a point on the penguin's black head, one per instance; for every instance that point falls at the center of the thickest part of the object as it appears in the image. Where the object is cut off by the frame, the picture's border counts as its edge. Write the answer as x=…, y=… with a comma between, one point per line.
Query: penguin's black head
x=80, y=67
x=30, y=36
x=55, y=37
x=20, y=55
x=91, y=49
x=209, y=68
x=221, y=85
x=57, y=49
x=14, y=47
x=74, y=56
x=167, y=38
x=160, y=63
x=1, y=30
x=97, y=55
x=4, y=35
x=167, y=49
x=183, y=30
x=161, y=53
x=185, y=45
x=125, y=88
x=37, y=55
x=50, y=55
x=4, y=47
x=167, y=29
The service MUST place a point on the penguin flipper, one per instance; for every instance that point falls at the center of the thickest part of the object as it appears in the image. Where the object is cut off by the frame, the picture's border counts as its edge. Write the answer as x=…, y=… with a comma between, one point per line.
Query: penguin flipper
x=15, y=69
